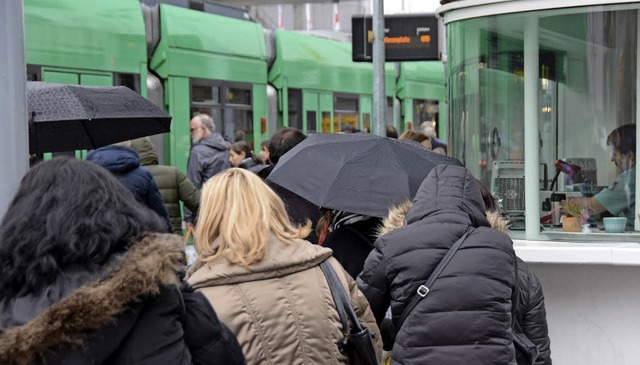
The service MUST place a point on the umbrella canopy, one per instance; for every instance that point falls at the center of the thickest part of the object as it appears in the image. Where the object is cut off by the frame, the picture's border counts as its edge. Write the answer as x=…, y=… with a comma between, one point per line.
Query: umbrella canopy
x=71, y=117
x=358, y=173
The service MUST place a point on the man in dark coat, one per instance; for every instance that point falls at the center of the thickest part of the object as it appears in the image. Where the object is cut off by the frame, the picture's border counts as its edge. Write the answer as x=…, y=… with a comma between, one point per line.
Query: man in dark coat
x=466, y=316
x=173, y=184
x=210, y=152
x=124, y=163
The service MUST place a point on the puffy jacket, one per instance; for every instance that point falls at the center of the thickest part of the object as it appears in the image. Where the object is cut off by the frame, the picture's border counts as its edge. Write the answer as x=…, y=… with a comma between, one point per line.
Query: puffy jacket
x=530, y=312
x=250, y=164
x=208, y=158
x=124, y=163
x=352, y=243
x=133, y=312
x=173, y=184
x=281, y=308
x=466, y=316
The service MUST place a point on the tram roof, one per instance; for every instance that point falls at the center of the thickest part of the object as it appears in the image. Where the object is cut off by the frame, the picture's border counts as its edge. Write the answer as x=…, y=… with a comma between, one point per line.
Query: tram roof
x=204, y=45
x=423, y=80
x=89, y=34
x=309, y=62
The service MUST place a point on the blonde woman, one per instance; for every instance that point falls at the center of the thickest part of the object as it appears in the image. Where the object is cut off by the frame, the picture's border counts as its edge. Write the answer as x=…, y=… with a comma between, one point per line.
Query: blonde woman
x=263, y=280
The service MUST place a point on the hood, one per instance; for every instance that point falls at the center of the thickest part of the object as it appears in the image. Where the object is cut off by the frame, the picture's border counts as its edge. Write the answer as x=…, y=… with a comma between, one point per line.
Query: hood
x=117, y=159
x=449, y=190
x=397, y=219
x=146, y=151
x=215, y=140
x=280, y=259
x=150, y=264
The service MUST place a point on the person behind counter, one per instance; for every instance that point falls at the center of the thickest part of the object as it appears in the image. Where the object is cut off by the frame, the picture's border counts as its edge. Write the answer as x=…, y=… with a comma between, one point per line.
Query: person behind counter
x=619, y=198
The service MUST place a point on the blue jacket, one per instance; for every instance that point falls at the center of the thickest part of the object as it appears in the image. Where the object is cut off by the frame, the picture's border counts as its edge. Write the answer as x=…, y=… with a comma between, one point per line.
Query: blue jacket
x=124, y=163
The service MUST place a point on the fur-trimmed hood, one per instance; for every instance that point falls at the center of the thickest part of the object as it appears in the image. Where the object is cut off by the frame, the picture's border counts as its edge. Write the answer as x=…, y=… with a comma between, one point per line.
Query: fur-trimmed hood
x=149, y=265
x=397, y=218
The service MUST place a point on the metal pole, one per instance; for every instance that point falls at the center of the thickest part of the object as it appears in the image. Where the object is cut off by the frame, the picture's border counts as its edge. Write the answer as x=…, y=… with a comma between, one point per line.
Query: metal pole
x=531, y=147
x=379, y=98
x=14, y=143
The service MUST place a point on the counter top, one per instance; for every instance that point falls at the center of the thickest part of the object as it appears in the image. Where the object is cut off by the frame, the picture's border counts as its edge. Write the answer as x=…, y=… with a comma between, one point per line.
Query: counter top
x=594, y=253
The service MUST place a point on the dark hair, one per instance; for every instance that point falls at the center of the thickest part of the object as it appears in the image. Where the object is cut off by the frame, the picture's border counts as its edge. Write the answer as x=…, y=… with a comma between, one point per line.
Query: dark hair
x=392, y=132
x=282, y=141
x=623, y=139
x=265, y=144
x=490, y=202
x=416, y=136
x=239, y=135
x=242, y=146
x=66, y=212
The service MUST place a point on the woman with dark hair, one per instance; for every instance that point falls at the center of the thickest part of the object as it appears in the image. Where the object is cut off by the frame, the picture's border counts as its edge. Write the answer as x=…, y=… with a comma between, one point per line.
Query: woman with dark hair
x=85, y=280
x=240, y=155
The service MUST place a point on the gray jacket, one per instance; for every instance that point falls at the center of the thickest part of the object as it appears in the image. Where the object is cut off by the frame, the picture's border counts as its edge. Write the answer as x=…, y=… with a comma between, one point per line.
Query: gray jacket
x=466, y=316
x=208, y=158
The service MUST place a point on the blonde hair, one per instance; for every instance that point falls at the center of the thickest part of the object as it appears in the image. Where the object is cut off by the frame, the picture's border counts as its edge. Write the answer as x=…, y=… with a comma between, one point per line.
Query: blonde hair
x=240, y=211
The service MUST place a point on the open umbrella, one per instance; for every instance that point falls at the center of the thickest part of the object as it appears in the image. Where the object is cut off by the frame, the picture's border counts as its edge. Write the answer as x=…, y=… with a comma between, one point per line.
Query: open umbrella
x=71, y=117
x=358, y=173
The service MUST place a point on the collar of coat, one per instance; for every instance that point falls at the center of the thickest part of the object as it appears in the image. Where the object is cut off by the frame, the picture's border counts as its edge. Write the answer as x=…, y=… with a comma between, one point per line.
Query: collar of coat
x=280, y=259
x=149, y=265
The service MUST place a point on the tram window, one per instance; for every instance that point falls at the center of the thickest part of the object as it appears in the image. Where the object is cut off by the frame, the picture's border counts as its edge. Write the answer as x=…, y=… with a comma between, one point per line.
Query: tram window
x=366, y=122
x=326, y=122
x=311, y=121
x=425, y=110
x=294, y=102
x=205, y=94
x=131, y=81
x=349, y=104
x=34, y=73
x=238, y=96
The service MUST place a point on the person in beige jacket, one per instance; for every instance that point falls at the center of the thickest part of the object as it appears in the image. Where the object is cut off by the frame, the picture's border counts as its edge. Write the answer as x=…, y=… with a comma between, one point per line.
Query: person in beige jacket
x=264, y=281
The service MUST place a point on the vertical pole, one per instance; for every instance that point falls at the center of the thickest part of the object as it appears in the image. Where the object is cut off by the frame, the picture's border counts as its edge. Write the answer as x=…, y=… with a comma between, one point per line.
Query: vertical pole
x=531, y=148
x=379, y=99
x=14, y=142
x=307, y=12
x=635, y=213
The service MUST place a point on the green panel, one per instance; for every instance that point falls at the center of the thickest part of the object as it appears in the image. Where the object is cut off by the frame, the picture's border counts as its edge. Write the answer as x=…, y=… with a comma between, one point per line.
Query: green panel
x=96, y=80
x=309, y=62
x=180, y=136
x=309, y=105
x=87, y=34
x=421, y=80
x=60, y=77
x=193, y=44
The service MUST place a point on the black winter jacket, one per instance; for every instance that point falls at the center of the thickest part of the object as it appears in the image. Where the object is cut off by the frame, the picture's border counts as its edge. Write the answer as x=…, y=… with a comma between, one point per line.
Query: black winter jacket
x=136, y=312
x=466, y=316
x=352, y=243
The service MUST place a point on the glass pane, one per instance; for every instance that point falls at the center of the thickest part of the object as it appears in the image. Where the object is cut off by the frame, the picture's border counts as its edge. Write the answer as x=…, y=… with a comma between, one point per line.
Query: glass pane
x=295, y=108
x=311, y=121
x=349, y=104
x=326, y=122
x=238, y=96
x=205, y=94
x=586, y=108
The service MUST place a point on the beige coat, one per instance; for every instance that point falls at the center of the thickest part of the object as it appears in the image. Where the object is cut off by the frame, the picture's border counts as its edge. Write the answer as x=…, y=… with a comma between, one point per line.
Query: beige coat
x=281, y=309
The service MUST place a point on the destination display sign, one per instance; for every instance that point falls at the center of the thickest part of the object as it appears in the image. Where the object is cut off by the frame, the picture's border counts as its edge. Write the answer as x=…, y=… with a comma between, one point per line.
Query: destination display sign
x=406, y=38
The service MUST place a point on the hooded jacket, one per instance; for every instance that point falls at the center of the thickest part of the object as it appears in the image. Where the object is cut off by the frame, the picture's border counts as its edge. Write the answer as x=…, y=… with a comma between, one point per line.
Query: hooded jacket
x=530, y=312
x=124, y=163
x=281, y=308
x=208, y=158
x=132, y=313
x=466, y=316
x=173, y=185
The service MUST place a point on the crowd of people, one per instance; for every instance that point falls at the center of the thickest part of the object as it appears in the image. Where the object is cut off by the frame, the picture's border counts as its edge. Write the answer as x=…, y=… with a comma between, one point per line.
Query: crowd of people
x=94, y=270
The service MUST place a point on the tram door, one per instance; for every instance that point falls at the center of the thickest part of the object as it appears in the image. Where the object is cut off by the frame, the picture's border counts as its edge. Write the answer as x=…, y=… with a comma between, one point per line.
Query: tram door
x=317, y=113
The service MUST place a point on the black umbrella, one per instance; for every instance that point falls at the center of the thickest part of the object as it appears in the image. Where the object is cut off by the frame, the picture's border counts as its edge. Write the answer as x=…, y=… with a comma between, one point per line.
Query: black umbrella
x=72, y=117
x=358, y=173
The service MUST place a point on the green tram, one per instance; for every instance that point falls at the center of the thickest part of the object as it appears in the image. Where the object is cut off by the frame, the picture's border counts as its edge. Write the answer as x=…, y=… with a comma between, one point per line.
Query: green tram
x=247, y=77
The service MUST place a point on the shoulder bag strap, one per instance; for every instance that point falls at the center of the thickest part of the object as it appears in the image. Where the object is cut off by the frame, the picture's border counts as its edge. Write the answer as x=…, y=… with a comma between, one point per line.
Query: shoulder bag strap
x=423, y=289
x=336, y=288
x=340, y=298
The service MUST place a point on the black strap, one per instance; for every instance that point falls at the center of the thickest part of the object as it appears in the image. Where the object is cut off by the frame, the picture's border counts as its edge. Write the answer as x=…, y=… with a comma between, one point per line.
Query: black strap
x=423, y=289
x=345, y=310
